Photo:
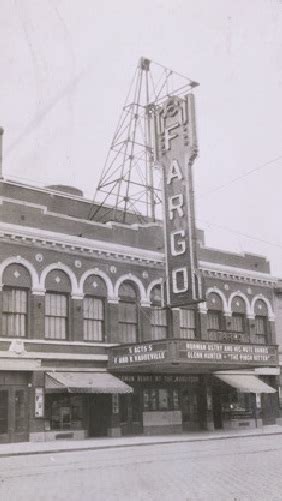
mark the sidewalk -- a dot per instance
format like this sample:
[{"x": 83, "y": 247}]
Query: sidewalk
[{"x": 30, "y": 448}]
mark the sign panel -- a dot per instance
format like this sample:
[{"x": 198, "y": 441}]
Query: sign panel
[
  {"x": 138, "y": 354},
  {"x": 39, "y": 403},
  {"x": 176, "y": 151},
  {"x": 161, "y": 354},
  {"x": 206, "y": 352}
]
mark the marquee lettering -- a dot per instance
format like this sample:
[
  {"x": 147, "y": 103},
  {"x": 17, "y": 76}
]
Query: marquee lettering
[
  {"x": 175, "y": 203},
  {"x": 168, "y": 136},
  {"x": 174, "y": 172},
  {"x": 180, "y": 280},
  {"x": 177, "y": 247}
]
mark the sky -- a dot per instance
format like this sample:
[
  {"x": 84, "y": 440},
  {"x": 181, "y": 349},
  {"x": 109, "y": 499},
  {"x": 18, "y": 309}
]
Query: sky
[{"x": 66, "y": 66}]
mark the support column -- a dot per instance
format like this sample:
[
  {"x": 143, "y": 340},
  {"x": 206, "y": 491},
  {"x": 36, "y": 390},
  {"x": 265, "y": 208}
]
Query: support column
[
  {"x": 76, "y": 331},
  {"x": 209, "y": 400},
  {"x": 37, "y": 316},
  {"x": 112, "y": 323},
  {"x": 145, "y": 324},
  {"x": 175, "y": 324},
  {"x": 203, "y": 326}
]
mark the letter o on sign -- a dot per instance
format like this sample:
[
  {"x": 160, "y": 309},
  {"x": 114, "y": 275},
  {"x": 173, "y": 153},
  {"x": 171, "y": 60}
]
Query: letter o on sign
[{"x": 180, "y": 281}]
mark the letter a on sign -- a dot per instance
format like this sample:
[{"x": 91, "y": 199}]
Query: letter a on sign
[{"x": 174, "y": 172}]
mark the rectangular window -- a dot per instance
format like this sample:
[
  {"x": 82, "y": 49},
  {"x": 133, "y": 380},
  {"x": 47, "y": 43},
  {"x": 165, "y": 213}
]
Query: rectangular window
[
  {"x": 261, "y": 330},
  {"x": 158, "y": 323},
  {"x": 163, "y": 399},
  {"x": 214, "y": 320},
  {"x": 146, "y": 400},
  {"x": 237, "y": 322},
  {"x": 127, "y": 316},
  {"x": 93, "y": 319},
  {"x": 150, "y": 402},
  {"x": 56, "y": 316},
  {"x": 187, "y": 324},
  {"x": 64, "y": 412},
  {"x": 175, "y": 399},
  {"x": 14, "y": 312}
]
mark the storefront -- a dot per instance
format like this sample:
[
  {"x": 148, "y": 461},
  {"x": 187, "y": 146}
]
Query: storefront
[
  {"x": 184, "y": 386},
  {"x": 82, "y": 404}
]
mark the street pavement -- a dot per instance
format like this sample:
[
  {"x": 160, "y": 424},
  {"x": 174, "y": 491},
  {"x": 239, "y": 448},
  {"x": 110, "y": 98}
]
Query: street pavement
[{"x": 235, "y": 469}]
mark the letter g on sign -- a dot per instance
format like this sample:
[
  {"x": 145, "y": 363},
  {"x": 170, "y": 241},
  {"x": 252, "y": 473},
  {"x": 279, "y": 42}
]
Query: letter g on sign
[{"x": 177, "y": 247}]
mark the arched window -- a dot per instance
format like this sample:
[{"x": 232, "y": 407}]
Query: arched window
[
  {"x": 238, "y": 319},
  {"x": 215, "y": 312},
  {"x": 261, "y": 322},
  {"x": 16, "y": 289},
  {"x": 158, "y": 319},
  {"x": 94, "y": 309},
  {"x": 127, "y": 313},
  {"x": 58, "y": 289}
]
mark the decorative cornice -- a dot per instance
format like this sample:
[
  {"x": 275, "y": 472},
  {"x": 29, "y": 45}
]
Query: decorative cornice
[
  {"x": 222, "y": 272},
  {"x": 110, "y": 250},
  {"x": 81, "y": 244}
]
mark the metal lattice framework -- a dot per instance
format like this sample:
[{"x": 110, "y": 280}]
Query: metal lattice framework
[{"x": 130, "y": 184}]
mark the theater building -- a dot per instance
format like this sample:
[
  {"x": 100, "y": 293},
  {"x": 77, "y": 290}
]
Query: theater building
[
  {"x": 86, "y": 348},
  {"x": 110, "y": 328}
]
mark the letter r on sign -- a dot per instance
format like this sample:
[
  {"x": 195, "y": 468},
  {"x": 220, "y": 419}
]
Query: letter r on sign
[{"x": 175, "y": 202}]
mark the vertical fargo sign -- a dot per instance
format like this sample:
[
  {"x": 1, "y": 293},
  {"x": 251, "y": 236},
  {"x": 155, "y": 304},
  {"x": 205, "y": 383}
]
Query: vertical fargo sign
[{"x": 176, "y": 150}]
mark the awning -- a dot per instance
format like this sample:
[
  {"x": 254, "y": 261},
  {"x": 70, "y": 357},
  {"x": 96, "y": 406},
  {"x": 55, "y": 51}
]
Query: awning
[
  {"x": 244, "y": 381},
  {"x": 85, "y": 382}
]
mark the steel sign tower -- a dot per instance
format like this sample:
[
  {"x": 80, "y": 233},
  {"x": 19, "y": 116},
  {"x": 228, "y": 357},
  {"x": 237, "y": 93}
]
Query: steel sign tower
[{"x": 130, "y": 182}]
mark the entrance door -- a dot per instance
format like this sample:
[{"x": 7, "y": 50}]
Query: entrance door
[
  {"x": 190, "y": 412},
  {"x": 217, "y": 414},
  {"x": 4, "y": 415},
  {"x": 13, "y": 414},
  {"x": 267, "y": 408},
  {"x": 100, "y": 411}
]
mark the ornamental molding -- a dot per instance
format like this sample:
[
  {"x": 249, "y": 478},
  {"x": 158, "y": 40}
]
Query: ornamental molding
[
  {"x": 24, "y": 262},
  {"x": 271, "y": 315},
  {"x": 227, "y": 303},
  {"x": 137, "y": 281},
  {"x": 101, "y": 274},
  {"x": 242, "y": 296}
]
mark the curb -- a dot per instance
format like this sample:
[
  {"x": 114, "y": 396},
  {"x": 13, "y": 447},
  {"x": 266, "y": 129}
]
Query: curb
[{"x": 127, "y": 446}]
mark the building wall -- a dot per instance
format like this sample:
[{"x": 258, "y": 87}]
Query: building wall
[{"x": 47, "y": 243}]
